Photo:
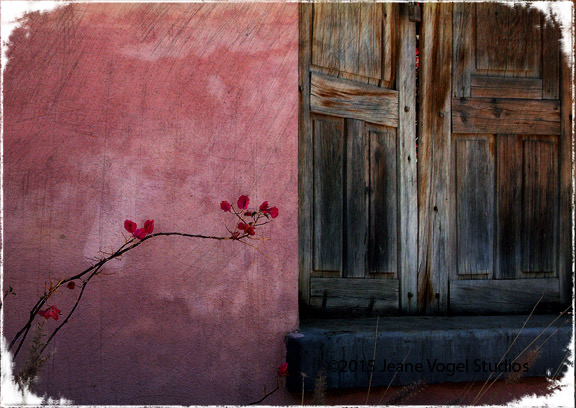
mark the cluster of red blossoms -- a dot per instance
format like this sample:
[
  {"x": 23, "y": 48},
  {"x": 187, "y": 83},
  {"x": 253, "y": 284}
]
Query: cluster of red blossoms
[
  {"x": 51, "y": 312},
  {"x": 139, "y": 233},
  {"x": 248, "y": 225}
]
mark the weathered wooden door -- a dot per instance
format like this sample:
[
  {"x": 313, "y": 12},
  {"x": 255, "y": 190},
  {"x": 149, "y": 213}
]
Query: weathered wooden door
[
  {"x": 494, "y": 161},
  {"x": 484, "y": 227},
  {"x": 358, "y": 208}
]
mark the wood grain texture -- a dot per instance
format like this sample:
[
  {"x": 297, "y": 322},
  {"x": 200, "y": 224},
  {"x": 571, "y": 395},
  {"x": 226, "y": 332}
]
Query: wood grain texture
[
  {"x": 345, "y": 98},
  {"x": 383, "y": 236},
  {"x": 355, "y": 296},
  {"x": 475, "y": 205},
  {"x": 539, "y": 205},
  {"x": 329, "y": 149},
  {"x": 506, "y": 87},
  {"x": 305, "y": 156},
  {"x": 357, "y": 179},
  {"x": 463, "y": 48},
  {"x": 435, "y": 252},
  {"x": 407, "y": 167},
  {"x": 550, "y": 60},
  {"x": 524, "y": 45},
  {"x": 484, "y": 115},
  {"x": 502, "y": 296},
  {"x": 390, "y": 11},
  {"x": 348, "y": 38},
  {"x": 508, "y": 206},
  {"x": 508, "y": 39},
  {"x": 491, "y": 26}
]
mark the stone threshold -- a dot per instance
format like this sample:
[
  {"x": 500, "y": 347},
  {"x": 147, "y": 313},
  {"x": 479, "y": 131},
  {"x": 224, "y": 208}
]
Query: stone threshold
[{"x": 428, "y": 349}]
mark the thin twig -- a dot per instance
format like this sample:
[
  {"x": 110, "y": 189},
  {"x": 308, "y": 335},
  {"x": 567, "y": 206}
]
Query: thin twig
[{"x": 127, "y": 246}]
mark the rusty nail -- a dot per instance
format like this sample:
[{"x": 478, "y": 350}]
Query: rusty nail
[
  {"x": 410, "y": 294},
  {"x": 406, "y": 108}
]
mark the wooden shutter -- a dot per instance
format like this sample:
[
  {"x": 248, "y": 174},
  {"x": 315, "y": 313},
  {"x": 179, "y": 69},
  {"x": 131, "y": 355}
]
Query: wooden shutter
[
  {"x": 494, "y": 161},
  {"x": 357, "y": 181}
]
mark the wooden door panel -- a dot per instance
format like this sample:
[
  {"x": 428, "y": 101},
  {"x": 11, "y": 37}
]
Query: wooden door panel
[
  {"x": 494, "y": 221},
  {"x": 475, "y": 228},
  {"x": 505, "y": 296},
  {"x": 539, "y": 205},
  {"x": 328, "y": 139},
  {"x": 352, "y": 136},
  {"x": 383, "y": 236}
]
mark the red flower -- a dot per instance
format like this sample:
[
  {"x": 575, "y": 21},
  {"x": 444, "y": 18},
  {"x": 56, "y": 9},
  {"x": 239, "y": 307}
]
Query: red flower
[
  {"x": 250, "y": 230},
  {"x": 140, "y": 233},
  {"x": 273, "y": 212},
  {"x": 243, "y": 202},
  {"x": 264, "y": 206},
  {"x": 283, "y": 370},
  {"x": 149, "y": 226},
  {"x": 130, "y": 226},
  {"x": 225, "y": 206},
  {"x": 50, "y": 312},
  {"x": 242, "y": 226},
  {"x": 71, "y": 285}
]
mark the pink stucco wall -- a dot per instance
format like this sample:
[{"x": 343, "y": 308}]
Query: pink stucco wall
[{"x": 116, "y": 111}]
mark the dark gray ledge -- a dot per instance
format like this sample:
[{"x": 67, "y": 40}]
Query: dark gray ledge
[{"x": 435, "y": 349}]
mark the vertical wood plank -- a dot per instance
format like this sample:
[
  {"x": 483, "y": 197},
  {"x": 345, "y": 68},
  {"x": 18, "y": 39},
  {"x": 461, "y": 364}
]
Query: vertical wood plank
[
  {"x": 356, "y": 220},
  {"x": 475, "y": 205},
  {"x": 383, "y": 201},
  {"x": 566, "y": 179},
  {"x": 390, "y": 17},
  {"x": 305, "y": 155},
  {"x": 524, "y": 41},
  {"x": 539, "y": 203},
  {"x": 508, "y": 210},
  {"x": 369, "y": 60},
  {"x": 328, "y": 134},
  {"x": 463, "y": 48},
  {"x": 492, "y": 36},
  {"x": 407, "y": 169},
  {"x": 550, "y": 60},
  {"x": 435, "y": 259}
]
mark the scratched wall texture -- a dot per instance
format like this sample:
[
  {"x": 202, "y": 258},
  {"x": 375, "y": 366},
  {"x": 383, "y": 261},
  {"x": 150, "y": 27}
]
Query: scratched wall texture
[{"x": 116, "y": 111}]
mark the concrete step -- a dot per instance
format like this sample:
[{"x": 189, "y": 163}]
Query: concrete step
[{"x": 425, "y": 349}]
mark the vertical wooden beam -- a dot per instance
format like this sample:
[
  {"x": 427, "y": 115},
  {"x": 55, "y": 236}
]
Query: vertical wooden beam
[
  {"x": 305, "y": 156},
  {"x": 407, "y": 170},
  {"x": 463, "y": 48},
  {"x": 566, "y": 178},
  {"x": 436, "y": 247}
]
